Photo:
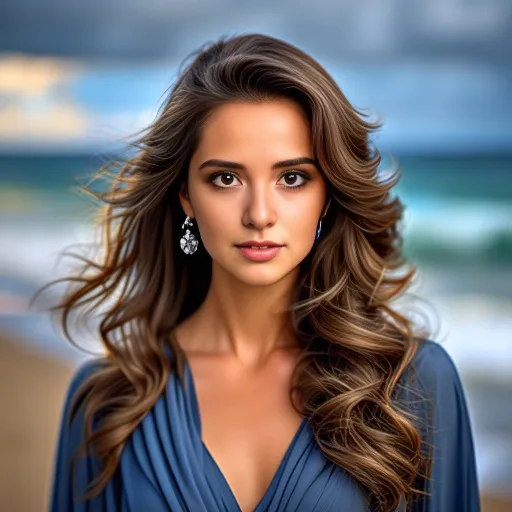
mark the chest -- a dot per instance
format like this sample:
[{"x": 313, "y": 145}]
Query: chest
[{"x": 248, "y": 424}]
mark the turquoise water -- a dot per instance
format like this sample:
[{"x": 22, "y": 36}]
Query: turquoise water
[
  {"x": 479, "y": 177},
  {"x": 458, "y": 209},
  {"x": 471, "y": 177}
]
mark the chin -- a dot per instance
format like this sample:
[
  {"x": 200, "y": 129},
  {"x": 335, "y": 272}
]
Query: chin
[{"x": 264, "y": 274}]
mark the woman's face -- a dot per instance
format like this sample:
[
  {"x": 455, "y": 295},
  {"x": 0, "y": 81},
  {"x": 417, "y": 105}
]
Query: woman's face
[{"x": 240, "y": 190}]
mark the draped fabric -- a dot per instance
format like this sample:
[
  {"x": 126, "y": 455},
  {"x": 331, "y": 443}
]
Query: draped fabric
[{"x": 166, "y": 467}]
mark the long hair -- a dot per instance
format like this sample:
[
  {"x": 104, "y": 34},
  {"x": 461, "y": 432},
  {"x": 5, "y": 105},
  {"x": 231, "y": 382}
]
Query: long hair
[{"x": 356, "y": 346}]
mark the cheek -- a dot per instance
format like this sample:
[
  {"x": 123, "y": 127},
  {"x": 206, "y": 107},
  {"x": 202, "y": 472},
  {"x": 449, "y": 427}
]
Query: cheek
[
  {"x": 215, "y": 222},
  {"x": 302, "y": 232},
  {"x": 304, "y": 220}
]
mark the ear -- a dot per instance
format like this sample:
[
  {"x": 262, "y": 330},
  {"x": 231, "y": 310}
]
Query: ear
[{"x": 185, "y": 200}]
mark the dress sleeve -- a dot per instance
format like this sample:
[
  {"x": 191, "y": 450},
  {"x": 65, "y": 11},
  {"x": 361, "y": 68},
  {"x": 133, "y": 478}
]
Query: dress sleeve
[
  {"x": 453, "y": 485},
  {"x": 69, "y": 439}
]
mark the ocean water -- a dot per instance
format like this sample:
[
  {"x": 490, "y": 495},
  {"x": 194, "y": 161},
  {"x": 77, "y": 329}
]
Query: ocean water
[
  {"x": 458, "y": 209},
  {"x": 457, "y": 229}
]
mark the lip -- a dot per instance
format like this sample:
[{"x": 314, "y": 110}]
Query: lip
[
  {"x": 259, "y": 254},
  {"x": 259, "y": 244}
]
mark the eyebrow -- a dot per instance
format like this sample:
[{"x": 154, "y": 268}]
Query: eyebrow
[{"x": 278, "y": 165}]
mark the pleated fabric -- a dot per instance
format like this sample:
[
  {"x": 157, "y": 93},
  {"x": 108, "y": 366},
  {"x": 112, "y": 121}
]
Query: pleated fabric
[{"x": 165, "y": 466}]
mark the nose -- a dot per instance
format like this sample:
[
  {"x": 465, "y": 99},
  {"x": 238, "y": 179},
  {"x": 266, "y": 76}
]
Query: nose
[{"x": 259, "y": 210}]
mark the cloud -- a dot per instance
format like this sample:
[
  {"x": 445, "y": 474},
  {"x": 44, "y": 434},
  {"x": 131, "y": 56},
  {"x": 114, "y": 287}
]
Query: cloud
[
  {"x": 354, "y": 31},
  {"x": 21, "y": 75},
  {"x": 57, "y": 122},
  {"x": 459, "y": 20},
  {"x": 34, "y": 103},
  {"x": 52, "y": 104}
]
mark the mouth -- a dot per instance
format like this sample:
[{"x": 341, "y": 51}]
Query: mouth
[
  {"x": 259, "y": 252},
  {"x": 253, "y": 244},
  {"x": 259, "y": 246}
]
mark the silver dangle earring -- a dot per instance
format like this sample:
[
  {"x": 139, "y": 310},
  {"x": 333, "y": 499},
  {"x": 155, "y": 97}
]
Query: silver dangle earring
[
  {"x": 188, "y": 242},
  {"x": 318, "y": 230}
]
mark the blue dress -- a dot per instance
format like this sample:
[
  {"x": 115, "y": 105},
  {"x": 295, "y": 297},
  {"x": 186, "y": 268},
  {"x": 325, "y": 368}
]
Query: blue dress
[{"x": 166, "y": 467}]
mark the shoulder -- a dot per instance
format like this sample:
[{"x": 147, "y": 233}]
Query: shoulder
[
  {"x": 86, "y": 369},
  {"x": 435, "y": 395},
  {"x": 430, "y": 367},
  {"x": 431, "y": 389},
  {"x": 431, "y": 380},
  {"x": 82, "y": 373},
  {"x": 79, "y": 378},
  {"x": 71, "y": 437},
  {"x": 433, "y": 365}
]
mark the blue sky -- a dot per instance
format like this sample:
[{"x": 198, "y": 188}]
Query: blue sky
[
  {"x": 424, "y": 107},
  {"x": 438, "y": 73}
]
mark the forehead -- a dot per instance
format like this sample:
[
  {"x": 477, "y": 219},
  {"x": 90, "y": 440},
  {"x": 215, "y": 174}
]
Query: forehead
[{"x": 249, "y": 128}]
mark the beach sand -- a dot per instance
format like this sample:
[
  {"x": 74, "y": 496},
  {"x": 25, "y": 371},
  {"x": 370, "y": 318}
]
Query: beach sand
[{"x": 32, "y": 390}]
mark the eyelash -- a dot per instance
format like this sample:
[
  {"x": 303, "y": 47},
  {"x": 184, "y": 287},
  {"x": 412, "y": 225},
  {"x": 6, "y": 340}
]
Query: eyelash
[{"x": 298, "y": 173}]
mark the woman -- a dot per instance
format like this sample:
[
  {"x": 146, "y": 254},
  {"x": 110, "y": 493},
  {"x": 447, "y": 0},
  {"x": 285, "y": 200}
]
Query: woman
[{"x": 253, "y": 358}]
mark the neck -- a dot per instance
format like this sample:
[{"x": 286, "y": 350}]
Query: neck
[{"x": 244, "y": 321}]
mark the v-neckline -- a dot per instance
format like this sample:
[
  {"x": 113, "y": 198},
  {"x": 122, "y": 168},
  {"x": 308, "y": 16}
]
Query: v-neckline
[{"x": 280, "y": 467}]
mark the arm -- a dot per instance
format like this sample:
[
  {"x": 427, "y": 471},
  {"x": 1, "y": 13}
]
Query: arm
[{"x": 453, "y": 485}]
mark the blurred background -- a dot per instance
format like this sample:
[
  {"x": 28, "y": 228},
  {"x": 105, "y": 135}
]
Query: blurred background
[{"x": 77, "y": 77}]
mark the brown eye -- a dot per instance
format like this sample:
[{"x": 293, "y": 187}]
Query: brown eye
[
  {"x": 292, "y": 177},
  {"x": 226, "y": 179},
  {"x": 222, "y": 179}
]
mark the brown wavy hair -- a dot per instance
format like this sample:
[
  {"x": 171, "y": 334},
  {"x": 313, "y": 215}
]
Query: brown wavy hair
[{"x": 356, "y": 345}]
